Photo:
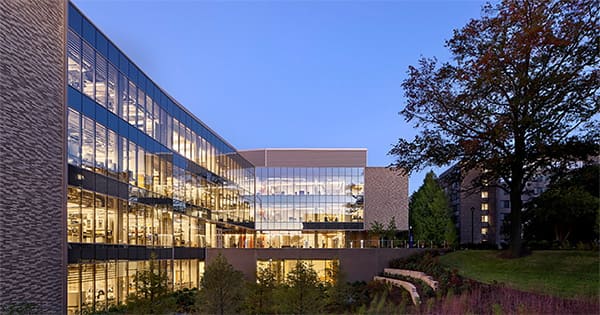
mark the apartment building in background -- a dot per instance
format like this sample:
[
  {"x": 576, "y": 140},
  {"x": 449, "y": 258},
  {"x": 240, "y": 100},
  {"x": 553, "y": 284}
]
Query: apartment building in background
[{"x": 479, "y": 211}]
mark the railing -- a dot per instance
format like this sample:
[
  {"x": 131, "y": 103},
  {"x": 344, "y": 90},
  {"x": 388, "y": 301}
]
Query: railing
[
  {"x": 359, "y": 244},
  {"x": 393, "y": 244}
]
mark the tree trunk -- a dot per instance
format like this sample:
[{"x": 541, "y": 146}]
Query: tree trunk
[{"x": 516, "y": 205}]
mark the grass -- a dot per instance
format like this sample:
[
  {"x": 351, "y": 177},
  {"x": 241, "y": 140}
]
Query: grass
[{"x": 567, "y": 274}]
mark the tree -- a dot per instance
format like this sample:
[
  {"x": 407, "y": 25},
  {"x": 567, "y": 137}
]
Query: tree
[
  {"x": 429, "y": 213},
  {"x": 151, "y": 289},
  {"x": 339, "y": 292},
  {"x": 567, "y": 211},
  {"x": 519, "y": 96},
  {"x": 260, "y": 299},
  {"x": 377, "y": 229},
  {"x": 391, "y": 230},
  {"x": 304, "y": 293},
  {"x": 221, "y": 287}
]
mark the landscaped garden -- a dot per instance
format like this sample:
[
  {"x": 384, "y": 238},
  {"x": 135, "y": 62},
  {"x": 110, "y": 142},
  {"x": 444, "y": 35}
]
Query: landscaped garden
[
  {"x": 562, "y": 273},
  {"x": 482, "y": 282},
  {"x": 467, "y": 281}
]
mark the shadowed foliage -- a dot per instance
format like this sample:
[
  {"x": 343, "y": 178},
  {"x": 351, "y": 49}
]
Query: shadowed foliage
[{"x": 519, "y": 96}]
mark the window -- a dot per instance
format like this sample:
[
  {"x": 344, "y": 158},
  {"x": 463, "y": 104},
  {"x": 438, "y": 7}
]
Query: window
[
  {"x": 485, "y": 218},
  {"x": 150, "y": 116},
  {"x": 112, "y": 102},
  {"x": 123, "y": 97},
  {"x": 87, "y": 148},
  {"x": 141, "y": 101},
  {"x": 101, "y": 69},
  {"x": 88, "y": 70},
  {"x": 74, "y": 215},
  {"x": 74, "y": 138},
  {"x": 87, "y": 216},
  {"x": 141, "y": 224},
  {"x": 484, "y": 194},
  {"x": 156, "y": 122},
  {"x": 111, "y": 220},
  {"x": 484, "y": 231},
  {"x": 112, "y": 157},
  {"x": 131, "y": 163},
  {"x": 132, "y": 224},
  {"x": 101, "y": 148},
  {"x": 484, "y": 206},
  {"x": 122, "y": 224},
  {"x": 74, "y": 61},
  {"x": 123, "y": 156},
  {"x": 141, "y": 168},
  {"x": 505, "y": 204},
  {"x": 131, "y": 103}
]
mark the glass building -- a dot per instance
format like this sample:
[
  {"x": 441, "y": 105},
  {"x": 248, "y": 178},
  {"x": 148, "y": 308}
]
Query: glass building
[
  {"x": 143, "y": 174},
  {"x": 102, "y": 170},
  {"x": 308, "y": 198}
]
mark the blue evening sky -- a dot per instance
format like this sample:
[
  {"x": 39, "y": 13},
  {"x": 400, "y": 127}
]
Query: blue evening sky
[{"x": 268, "y": 74}]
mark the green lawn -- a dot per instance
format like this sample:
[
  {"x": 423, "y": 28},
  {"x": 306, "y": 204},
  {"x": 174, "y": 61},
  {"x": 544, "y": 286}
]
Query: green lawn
[{"x": 560, "y": 273}]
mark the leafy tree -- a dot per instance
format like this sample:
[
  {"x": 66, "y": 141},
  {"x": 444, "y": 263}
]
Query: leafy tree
[
  {"x": 185, "y": 300},
  {"x": 519, "y": 95},
  {"x": 260, "y": 297},
  {"x": 377, "y": 229},
  {"x": 429, "y": 213},
  {"x": 391, "y": 229},
  {"x": 303, "y": 293},
  {"x": 151, "y": 289},
  {"x": 339, "y": 292},
  {"x": 568, "y": 210},
  {"x": 221, "y": 288},
  {"x": 151, "y": 284}
]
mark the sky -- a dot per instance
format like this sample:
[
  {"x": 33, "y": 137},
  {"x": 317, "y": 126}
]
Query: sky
[{"x": 287, "y": 74}]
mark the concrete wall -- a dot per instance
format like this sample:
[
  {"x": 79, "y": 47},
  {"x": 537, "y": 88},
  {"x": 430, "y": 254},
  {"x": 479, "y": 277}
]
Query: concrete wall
[
  {"x": 360, "y": 264},
  {"x": 33, "y": 253},
  {"x": 386, "y": 196}
]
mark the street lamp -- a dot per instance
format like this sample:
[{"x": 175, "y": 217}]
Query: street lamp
[{"x": 472, "y": 225}]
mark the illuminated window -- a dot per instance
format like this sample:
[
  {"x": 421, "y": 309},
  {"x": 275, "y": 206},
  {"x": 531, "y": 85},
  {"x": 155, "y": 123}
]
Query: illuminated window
[
  {"x": 74, "y": 138},
  {"x": 74, "y": 61},
  {"x": 484, "y": 206},
  {"x": 484, "y": 231},
  {"x": 281, "y": 268},
  {"x": 484, "y": 194},
  {"x": 88, "y": 70},
  {"x": 485, "y": 218}
]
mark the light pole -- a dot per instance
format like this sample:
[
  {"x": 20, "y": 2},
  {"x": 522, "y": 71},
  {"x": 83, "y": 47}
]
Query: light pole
[{"x": 472, "y": 225}]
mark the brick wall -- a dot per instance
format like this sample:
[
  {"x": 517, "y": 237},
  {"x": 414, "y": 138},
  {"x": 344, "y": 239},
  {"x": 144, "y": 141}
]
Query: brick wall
[
  {"x": 32, "y": 155},
  {"x": 386, "y": 195}
]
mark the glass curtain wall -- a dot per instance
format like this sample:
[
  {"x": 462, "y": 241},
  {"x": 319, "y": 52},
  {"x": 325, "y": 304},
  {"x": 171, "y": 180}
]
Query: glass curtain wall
[
  {"x": 282, "y": 267},
  {"x": 287, "y": 197},
  {"x": 176, "y": 156},
  {"x": 98, "y": 285},
  {"x": 142, "y": 171}
]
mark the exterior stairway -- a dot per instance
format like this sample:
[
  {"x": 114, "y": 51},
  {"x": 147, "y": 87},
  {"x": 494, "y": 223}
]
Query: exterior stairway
[{"x": 389, "y": 273}]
